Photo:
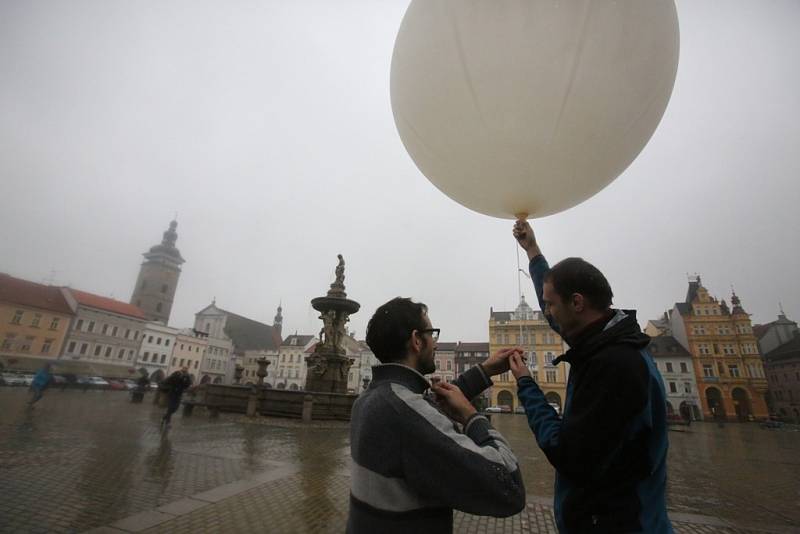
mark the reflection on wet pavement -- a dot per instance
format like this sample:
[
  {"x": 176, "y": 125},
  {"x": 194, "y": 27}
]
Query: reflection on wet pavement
[
  {"x": 80, "y": 460},
  {"x": 740, "y": 472}
]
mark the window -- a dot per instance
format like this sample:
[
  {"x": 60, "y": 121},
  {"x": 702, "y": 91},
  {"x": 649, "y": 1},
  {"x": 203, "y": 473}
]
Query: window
[
  {"x": 702, "y": 348},
  {"x": 71, "y": 347},
  {"x": 164, "y": 288},
  {"x": 8, "y": 342},
  {"x": 449, "y": 365},
  {"x": 684, "y": 369},
  {"x": 46, "y": 346},
  {"x": 79, "y": 325},
  {"x": 36, "y": 318},
  {"x": 158, "y": 341},
  {"x": 548, "y": 358},
  {"x": 150, "y": 339},
  {"x": 173, "y": 363},
  {"x": 114, "y": 331},
  {"x": 84, "y": 348},
  {"x": 669, "y": 368},
  {"x": 166, "y": 342},
  {"x": 17, "y": 319},
  {"x": 145, "y": 356},
  {"x": 687, "y": 387},
  {"x": 90, "y": 328},
  {"x": 105, "y": 329},
  {"x": 163, "y": 358},
  {"x": 734, "y": 370},
  {"x": 535, "y": 376},
  {"x": 136, "y": 335},
  {"x": 108, "y": 352},
  {"x": 673, "y": 388},
  {"x": 551, "y": 375},
  {"x": 26, "y": 345},
  {"x": 54, "y": 324},
  {"x": 130, "y": 354},
  {"x": 195, "y": 364},
  {"x": 121, "y": 353},
  {"x": 182, "y": 346},
  {"x": 438, "y": 365},
  {"x": 721, "y": 369},
  {"x": 708, "y": 370},
  {"x": 97, "y": 350}
]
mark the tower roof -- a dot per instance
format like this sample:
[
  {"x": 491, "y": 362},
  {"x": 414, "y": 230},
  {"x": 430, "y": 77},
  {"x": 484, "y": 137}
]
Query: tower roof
[{"x": 167, "y": 247}]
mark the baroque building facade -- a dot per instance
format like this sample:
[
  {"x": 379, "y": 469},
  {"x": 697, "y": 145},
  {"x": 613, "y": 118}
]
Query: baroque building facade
[
  {"x": 727, "y": 363},
  {"x": 528, "y": 328}
]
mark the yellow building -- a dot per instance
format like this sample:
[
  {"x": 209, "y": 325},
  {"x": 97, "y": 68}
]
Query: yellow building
[
  {"x": 34, "y": 320},
  {"x": 727, "y": 362},
  {"x": 529, "y": 329}
]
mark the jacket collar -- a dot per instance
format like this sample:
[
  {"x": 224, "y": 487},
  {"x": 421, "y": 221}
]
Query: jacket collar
[
  {"x": 620, "y": 327},
  {"x": 399, "y": 374}
]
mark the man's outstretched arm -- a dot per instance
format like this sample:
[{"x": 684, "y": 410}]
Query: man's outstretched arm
[{"x": 537, "y": 264}]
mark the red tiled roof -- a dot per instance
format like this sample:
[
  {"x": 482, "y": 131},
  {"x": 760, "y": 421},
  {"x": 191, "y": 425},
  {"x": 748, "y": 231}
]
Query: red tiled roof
[
  {"x": 107, "y": 304},
  {"x": 26, "y": 293}
]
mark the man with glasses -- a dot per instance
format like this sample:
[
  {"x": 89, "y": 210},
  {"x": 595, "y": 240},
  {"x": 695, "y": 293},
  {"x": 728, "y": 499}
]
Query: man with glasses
[{"x": 411, "y": 464}]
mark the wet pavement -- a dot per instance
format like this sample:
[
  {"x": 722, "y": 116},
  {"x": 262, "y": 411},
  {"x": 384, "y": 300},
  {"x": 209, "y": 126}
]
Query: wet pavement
[{"x": 83, "y": 460}]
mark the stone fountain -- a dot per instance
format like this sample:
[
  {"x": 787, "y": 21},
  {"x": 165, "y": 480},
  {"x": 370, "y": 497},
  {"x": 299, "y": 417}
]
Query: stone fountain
[{"x": 329, "y": 365}]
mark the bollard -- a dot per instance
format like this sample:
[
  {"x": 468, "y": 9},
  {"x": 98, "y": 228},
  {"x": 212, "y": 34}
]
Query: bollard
[
  {"x": 308, "y": 405},
  {"x": 252, "y": 403}
]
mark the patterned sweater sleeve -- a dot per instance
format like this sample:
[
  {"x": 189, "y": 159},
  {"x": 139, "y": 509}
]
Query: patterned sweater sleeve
[{"x": 475, "y": 471}]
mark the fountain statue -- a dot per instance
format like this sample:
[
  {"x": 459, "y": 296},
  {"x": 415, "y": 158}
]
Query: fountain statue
[{"x": 329, "y": 365}]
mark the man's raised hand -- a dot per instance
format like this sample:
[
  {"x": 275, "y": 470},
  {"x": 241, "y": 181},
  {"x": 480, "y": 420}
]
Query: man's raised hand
[{"x": 498, "y": 362}]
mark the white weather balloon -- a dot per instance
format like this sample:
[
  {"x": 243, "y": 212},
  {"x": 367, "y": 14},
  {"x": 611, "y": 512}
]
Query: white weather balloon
[{"x": 530, "y": 106}]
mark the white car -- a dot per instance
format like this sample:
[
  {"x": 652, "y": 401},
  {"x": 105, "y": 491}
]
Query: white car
[
  {"x": 493, "y": 409},
  {"x": 11, "y": 379},
  {"x": 96, "y": 381},
  {"x": 28, "y": 379}
]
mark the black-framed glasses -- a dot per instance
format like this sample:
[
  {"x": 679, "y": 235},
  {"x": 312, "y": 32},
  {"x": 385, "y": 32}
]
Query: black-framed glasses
[{"x": 434, "y": 332}]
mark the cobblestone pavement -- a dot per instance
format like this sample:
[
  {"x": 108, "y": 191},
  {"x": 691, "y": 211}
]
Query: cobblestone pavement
[{"x": 84, "y": 460}]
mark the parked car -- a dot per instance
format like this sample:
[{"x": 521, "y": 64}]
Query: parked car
[
  {"x": 12, "y": 379},
  {"x": 505, "y": 409},
  {"x": 129, "y": 384},
  {"x": 520, "y": 409},
  {"x": 59, "y": 380},
  {"x": 28, "y": 378},
  {"x": 97, "y": 382},
  {"x": 493, "y": 409}
]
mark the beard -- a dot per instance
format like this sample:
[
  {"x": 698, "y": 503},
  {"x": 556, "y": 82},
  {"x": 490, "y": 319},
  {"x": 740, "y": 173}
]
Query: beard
[{"x": 426, "y": 367}]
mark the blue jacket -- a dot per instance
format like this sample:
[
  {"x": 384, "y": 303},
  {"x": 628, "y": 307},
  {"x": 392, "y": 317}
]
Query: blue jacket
[
  {"x": 609, "y": 448},
  {"x": 41, "y": 379}
]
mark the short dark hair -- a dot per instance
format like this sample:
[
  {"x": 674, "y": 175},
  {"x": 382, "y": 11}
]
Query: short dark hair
[
  {"x": 390, "y": 327},
  {"x": 576, "y": 275}
]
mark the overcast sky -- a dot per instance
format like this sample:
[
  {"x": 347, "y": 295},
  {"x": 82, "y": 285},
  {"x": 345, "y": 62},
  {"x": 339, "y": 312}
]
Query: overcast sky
[{"x": 267, "y": 127}]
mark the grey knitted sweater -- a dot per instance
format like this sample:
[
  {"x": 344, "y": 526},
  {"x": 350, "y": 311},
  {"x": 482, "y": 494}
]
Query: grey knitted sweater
[{"x": 411, "y": 466}]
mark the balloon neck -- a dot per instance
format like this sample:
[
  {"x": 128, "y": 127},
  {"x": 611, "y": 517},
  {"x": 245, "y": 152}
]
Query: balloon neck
[{"x": 522, "y": 216}]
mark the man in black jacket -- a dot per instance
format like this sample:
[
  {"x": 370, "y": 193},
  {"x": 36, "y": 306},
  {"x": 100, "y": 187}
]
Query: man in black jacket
[
  {"x": 610, "y": 447},
  {"x": 175, "y": 384}
]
